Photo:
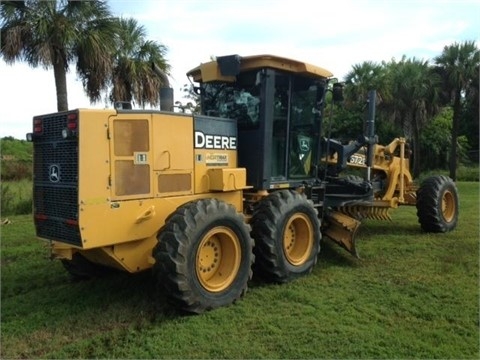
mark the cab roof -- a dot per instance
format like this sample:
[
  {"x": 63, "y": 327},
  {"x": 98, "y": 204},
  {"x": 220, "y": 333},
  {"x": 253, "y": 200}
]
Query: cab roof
[{"x": 225, "y": 68}]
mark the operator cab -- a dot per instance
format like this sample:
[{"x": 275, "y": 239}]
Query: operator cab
[{"x": 278, "y": 104}]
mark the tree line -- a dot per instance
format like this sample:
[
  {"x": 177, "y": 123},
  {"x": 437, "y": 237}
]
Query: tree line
[
  {"x": 111, "y": 55},
  {"x": 434, "y": 105}
]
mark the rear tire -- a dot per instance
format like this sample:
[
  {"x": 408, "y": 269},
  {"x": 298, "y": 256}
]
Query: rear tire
[
  {"x": 204, "y": 256},
  {"x": 437, "y": 204},
  {"x": 287, "y": 236},
  {"x": 80, "y": 268}
]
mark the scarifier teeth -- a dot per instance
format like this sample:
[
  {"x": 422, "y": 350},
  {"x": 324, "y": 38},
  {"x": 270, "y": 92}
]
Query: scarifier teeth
[{"x": 367, "y": 212}]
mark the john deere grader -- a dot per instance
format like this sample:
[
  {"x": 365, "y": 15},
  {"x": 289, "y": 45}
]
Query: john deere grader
[{"x": 200, "y": 198}]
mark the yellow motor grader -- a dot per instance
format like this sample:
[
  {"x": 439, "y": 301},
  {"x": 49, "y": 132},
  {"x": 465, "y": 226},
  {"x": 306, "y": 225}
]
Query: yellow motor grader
[{"x": 198, "y": 198}]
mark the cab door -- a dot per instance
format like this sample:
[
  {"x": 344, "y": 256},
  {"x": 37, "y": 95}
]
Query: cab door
[{"x": 296, "y": 127}]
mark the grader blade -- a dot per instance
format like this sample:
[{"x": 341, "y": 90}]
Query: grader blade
[{"x": 342, "y": 229}]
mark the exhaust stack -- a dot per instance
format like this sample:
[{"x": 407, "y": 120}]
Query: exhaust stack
[{"x": 166, "y": 92}]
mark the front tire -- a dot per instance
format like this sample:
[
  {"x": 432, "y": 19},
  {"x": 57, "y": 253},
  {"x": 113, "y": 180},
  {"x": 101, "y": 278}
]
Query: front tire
[
  {"x": 437, "y": 204},
  {"x": 204, "y": 256},
  {"x": 286, "y": 230}
]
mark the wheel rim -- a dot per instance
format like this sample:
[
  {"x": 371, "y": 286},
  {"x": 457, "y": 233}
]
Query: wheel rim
[
  {"x": 448, "y": 206},
  {"x": 218, "y": 259},
  {"x": 298, "y": 239}
]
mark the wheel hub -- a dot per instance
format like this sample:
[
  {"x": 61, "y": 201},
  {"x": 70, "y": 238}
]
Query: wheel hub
[
  {"x": 218, "y": 259},
  {"x": 448, "y": 206},
  {"x": 209, "y": 256},
  {"x": 298, "y": 239}
]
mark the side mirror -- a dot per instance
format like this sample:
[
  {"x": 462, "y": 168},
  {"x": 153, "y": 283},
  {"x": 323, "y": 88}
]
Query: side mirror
[{"x": 337, "y": 92}]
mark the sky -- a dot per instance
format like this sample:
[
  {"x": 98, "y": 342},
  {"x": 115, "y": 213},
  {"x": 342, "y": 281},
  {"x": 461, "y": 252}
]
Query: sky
[{"x": 335, "y": 35}]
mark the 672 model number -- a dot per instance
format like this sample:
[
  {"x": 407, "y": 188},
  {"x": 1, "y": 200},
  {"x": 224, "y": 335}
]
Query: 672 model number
[{"x": 357, "y": 160}]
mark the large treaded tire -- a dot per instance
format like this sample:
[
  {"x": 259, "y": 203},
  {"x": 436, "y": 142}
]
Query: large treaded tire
[
  {"x": 437, "y": 204},
  {"x": 80, "y": 268},
  {"x": 204, "y": 256},
  {"x": 286, "y": 230}
]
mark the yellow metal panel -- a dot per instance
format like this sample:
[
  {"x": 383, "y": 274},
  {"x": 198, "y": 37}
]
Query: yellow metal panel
[
  {"x": 124, "y": 221},
  {"x": 93, "y": 157},
  {"x": 210, "y": 71},
  {"x": 136, "y": 256},
  {"x": 123, "y": 234},
  {"x": 282, "y": 63},
  {"x": 227, "y": 179},
  {"x": 206, "y": 159},
  {"x": 172, "y": 142}
]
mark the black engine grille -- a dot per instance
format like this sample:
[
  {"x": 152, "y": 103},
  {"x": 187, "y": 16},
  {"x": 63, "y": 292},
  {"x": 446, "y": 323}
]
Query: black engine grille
[{"x": 55, "y": 189}]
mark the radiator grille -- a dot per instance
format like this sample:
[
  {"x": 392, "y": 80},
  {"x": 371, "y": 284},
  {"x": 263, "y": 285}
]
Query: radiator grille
[
  {"x": 55, "y": 189},
  {"x": 53, "y": 126},
  {"x": 59, "y": 153}
]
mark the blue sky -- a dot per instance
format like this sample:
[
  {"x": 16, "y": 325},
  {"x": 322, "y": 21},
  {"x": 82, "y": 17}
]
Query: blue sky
[{"x": 335, "y": 35}]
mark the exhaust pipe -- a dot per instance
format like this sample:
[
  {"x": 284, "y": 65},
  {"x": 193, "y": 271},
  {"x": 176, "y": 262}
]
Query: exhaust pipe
[{"x": 166, "y": 92}]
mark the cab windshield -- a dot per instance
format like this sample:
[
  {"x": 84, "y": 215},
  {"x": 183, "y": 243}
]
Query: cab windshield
[{"x": 239, "y": 100}]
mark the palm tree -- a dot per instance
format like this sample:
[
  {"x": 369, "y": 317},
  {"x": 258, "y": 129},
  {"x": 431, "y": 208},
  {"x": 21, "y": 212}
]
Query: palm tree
[
  {"x": 471, "y": 118},
  {"x": 414, "y": 89},
  {"x": 458, "y": 66},
  {"x": 133, "y": 77},
  {"x": 57, "y": 34},
  {"x": 359, "y": 81},
  {"x": 365, "y": 77}
]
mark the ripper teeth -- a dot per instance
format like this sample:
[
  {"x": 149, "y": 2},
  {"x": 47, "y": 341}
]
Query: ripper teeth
[{"x": 367, "y": 212}]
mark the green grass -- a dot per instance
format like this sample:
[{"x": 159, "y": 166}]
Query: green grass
[
  {"x": 411, "y": 295},
  {"x": 16, "y": 197}
]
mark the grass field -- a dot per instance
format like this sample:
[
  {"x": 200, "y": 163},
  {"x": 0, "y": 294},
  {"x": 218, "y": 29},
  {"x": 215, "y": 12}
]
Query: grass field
[
  {"x": 412, "y": 295},
  {"x": 16, "y": 197}
]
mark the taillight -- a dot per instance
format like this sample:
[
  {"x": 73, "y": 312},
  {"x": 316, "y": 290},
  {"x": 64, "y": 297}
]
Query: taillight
[
  {"x": 72, "y": 125},
  {"x": 71, "y": 222},
  {"x": 37, "y": 126},
  {"x": 72, "y": 121},
  {"x": 42, "y": 217}
]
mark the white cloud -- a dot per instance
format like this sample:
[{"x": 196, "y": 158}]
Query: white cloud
[{"x": 334, "y": 35}]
